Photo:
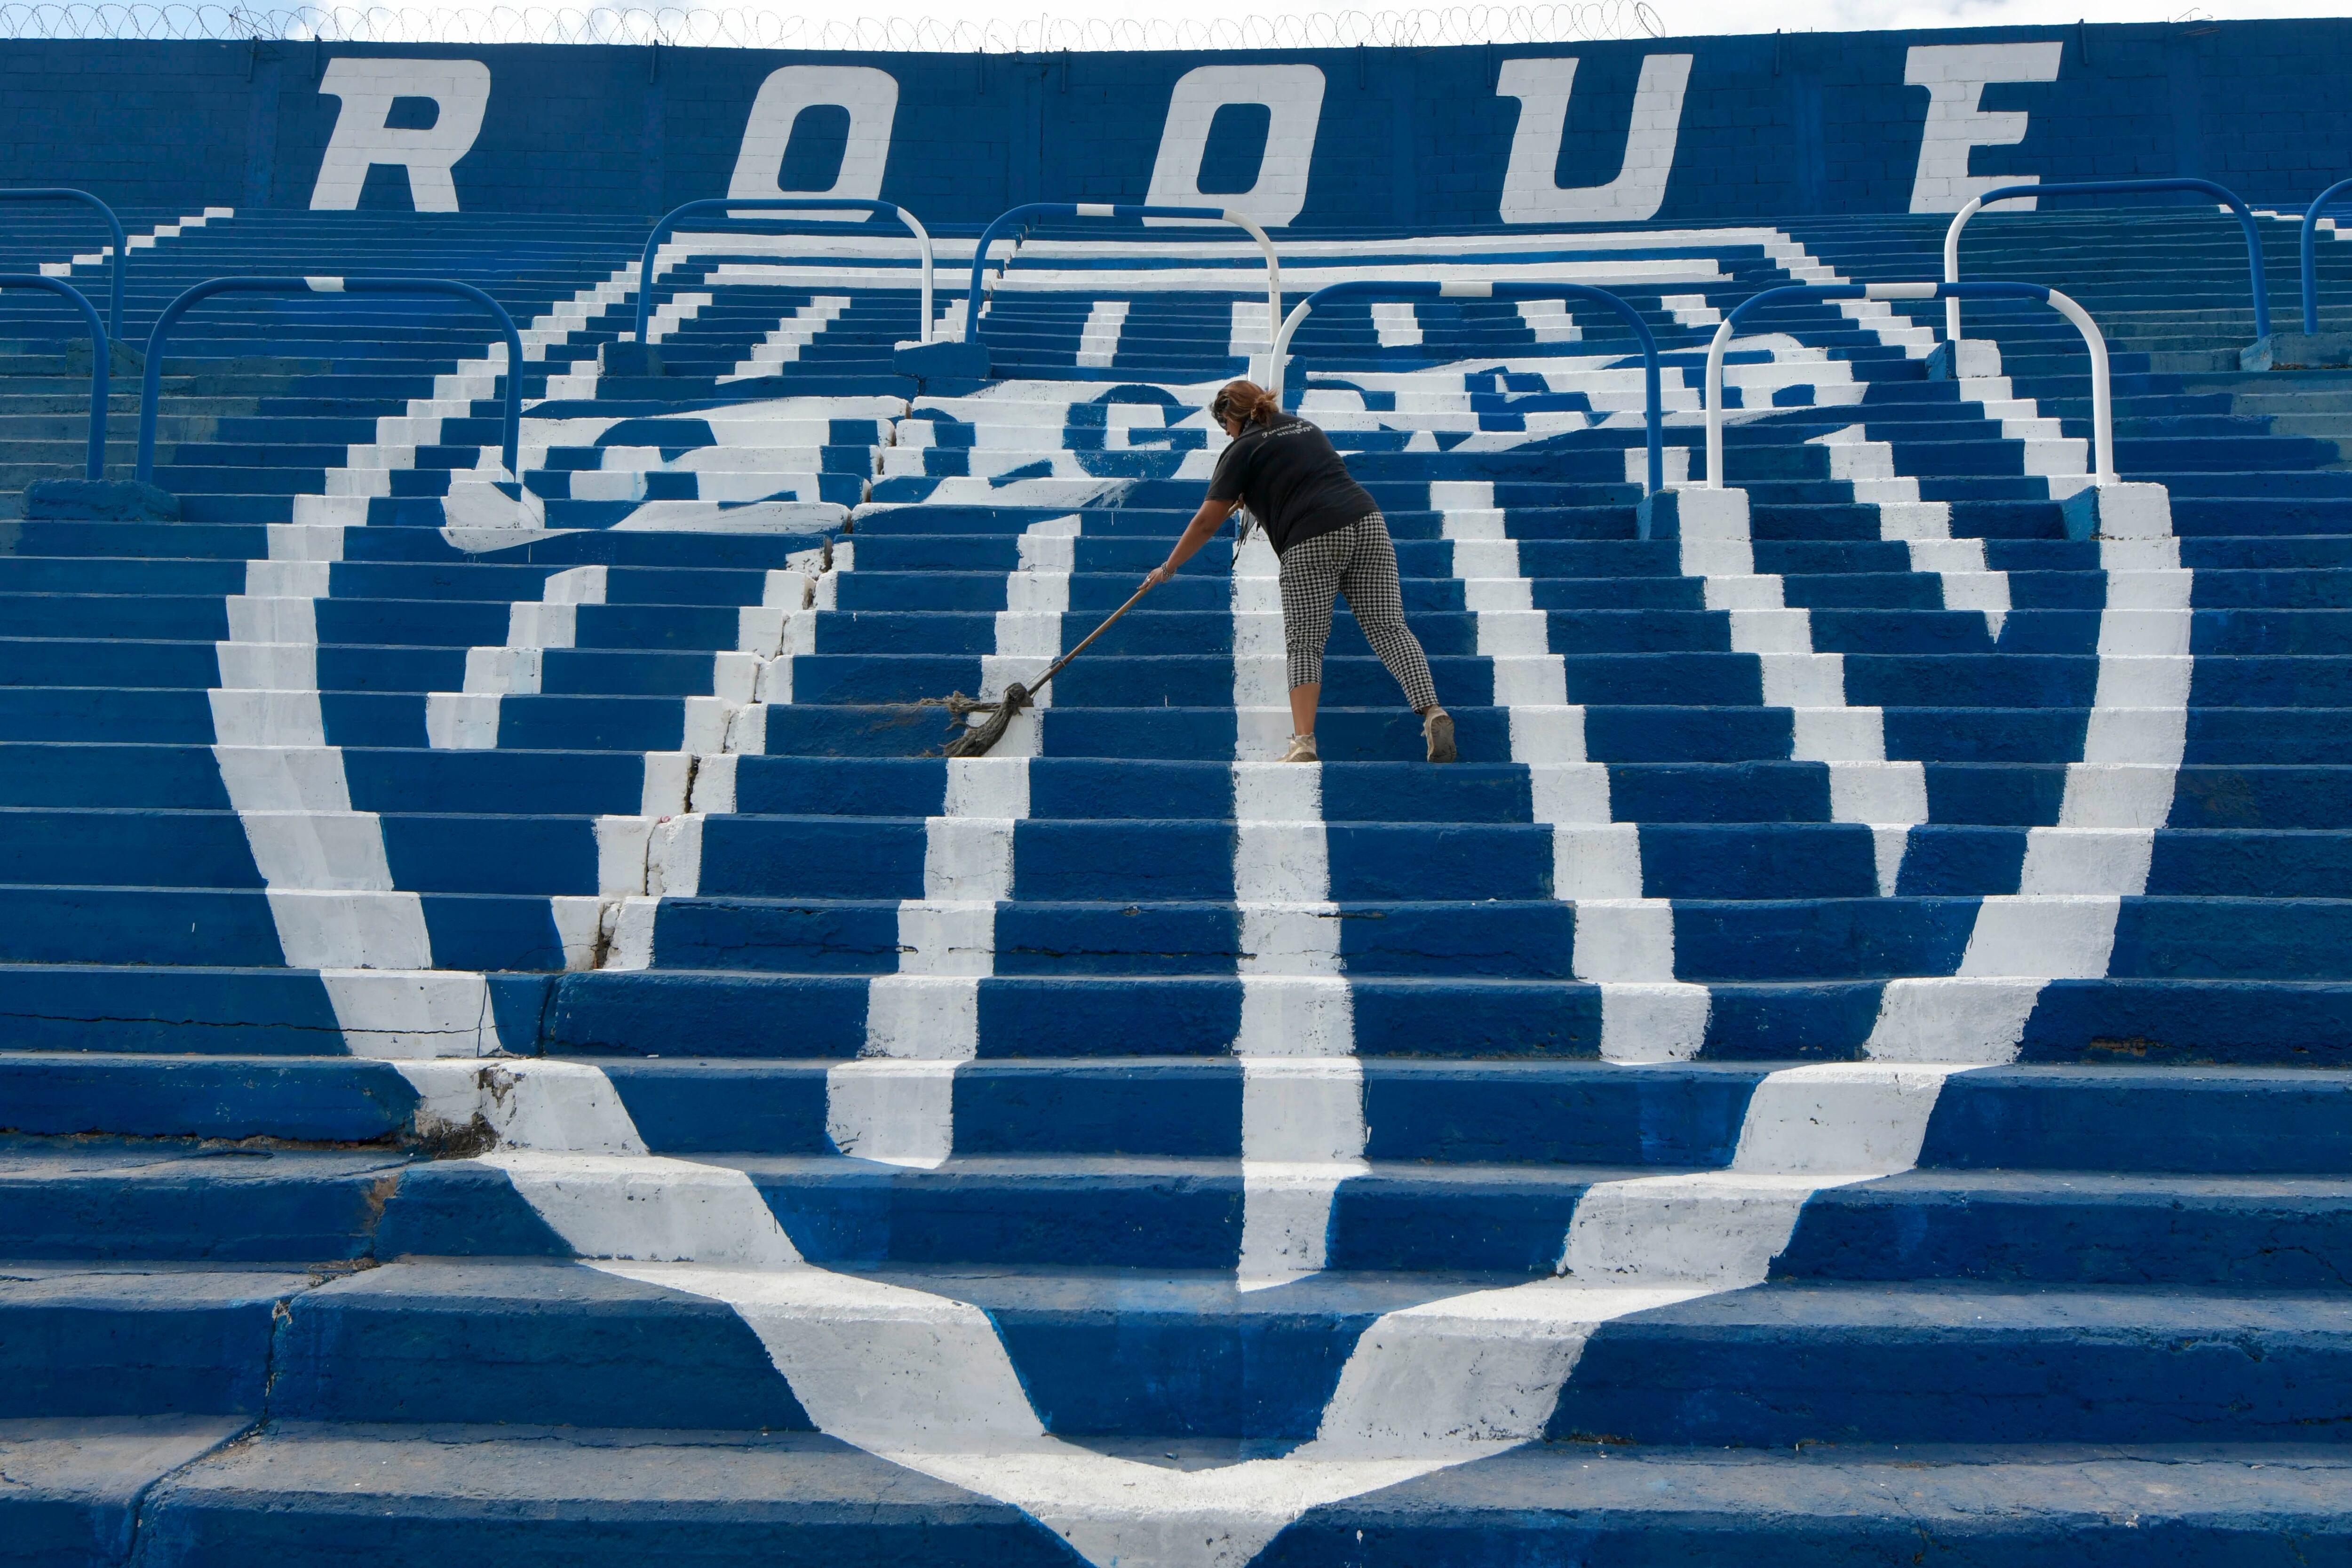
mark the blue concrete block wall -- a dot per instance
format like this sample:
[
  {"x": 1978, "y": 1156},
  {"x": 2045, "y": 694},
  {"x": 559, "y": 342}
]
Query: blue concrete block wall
[{"x": 1771, "y": 126}]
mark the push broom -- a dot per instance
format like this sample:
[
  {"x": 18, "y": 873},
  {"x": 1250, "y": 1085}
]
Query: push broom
[{"x": 977, "y": 739}]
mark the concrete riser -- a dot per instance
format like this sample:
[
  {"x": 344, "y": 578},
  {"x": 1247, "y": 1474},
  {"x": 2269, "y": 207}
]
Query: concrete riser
[{"x": 1848, "y": 1058}]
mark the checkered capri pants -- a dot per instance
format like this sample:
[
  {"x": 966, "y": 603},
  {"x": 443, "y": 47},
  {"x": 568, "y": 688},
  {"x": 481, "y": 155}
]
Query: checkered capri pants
[{"x": 1359, "y": 561}]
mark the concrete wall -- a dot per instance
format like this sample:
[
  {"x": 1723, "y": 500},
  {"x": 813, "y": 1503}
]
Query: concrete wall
[{"x": 1677, "y": 129}]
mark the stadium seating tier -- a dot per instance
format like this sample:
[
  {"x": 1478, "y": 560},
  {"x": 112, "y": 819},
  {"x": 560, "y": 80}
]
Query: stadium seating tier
[{"x": 519, "y": 1046}]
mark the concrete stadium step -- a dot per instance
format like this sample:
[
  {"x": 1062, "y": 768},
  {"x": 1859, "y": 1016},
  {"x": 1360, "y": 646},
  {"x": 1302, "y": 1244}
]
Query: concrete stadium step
[
  {"x": 2216, "y": 1122},
  {"x": 774, "y": 1496},
  {"x": 1519, "y": 933},
  {"x": 2021, "y": 794},
  {"x": 2111, "y": 1365},
  {"x": 2318, "y": 735},
  {"x": 1086, "y": 1344},
  {"x": 296, "y": 1493},
  {"x": 183, "y": 1339},
  {"x": 1696, "y": 678},
  {"x": 1119, "y": 1356},
  {"x": 72, "y": 924},
  {"x": 212, "y": 1009},
  {"x": 699, "y": 886},
  {"x": 105, "y": 1201},
  {"x": 474, "y": 852},
  {"x": 2191, "y": 1020}
]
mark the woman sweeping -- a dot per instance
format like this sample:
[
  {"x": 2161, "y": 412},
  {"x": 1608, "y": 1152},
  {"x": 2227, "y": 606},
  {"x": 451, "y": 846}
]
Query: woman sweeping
[{"x": 1331, "y": 540}]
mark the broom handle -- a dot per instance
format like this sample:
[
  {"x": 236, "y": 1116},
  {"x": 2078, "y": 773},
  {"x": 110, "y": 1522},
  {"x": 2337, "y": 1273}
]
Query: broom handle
[{"x": 1055, "y": 667}]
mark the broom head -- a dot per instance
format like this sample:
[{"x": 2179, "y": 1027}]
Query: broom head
[{"x": 977, "y": 739}]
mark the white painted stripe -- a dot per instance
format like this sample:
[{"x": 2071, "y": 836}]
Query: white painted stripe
[
  {"x": 1925, "y": 528},
  {"x": 329, "y": 879},
  {"x": 1099, "y": 339},
  {"x": 163, "y": 231},
  {"x": 672, "y": 314},
  {"x": 784, "y": 340},
  {"x": 1395, "y": 324},
  {"x": 918, "y": 1379},
  {"x": 925, "y": 1381},
  {"x": 1874, "y": 316},
  {"x": 1624, "y": 941},
  {"x": 1302, "y": 1089},
  {"x": 2061, "y": 923},
  {"x": 1248, "y": 337},
  {"x": 1865, "y": 786},
  {"x": 468, "y": 720},
  {"x": 1550, "y": 321},
  {"x": 1467, "y": 1374},
  {"x": 1261, "y": 675},
  {"x": 1690, "y": 309},
  {"x": 896, "y": 1103}
]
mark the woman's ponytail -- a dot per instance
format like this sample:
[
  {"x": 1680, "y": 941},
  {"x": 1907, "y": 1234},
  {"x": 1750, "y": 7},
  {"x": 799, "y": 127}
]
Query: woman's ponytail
[{"x": 1245, "y": 401}]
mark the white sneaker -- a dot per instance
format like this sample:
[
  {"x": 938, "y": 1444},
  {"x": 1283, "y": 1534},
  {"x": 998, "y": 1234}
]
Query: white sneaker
[
  {"x": 1438, "y": 731},
  {"x": 1302, "y": 750}
]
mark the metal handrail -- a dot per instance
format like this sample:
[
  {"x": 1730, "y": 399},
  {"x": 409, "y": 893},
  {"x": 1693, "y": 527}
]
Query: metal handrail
[
  {"x": 776, "y": 204},
  {"x": 2310, "y": 257},
  {"x": 151, "y": 390},
  {"x": 121, "y": 257},
  {"x": 1505, "y": 289},
  {"x": 2103, "y": 423},
  {"x": 1005, "y": 219},
  {"x": 2229, "y": 198},
  {"x": 98, "y": 356}
]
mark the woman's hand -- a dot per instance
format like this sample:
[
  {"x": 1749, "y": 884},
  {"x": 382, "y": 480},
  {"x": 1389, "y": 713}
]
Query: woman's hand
[{"x": 1204, "y": 522}]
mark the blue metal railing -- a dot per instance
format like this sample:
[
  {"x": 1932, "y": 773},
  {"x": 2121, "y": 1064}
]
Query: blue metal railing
[
  {"x": 2103, "y": 423},
  {"x": 98, "y": 358},
  {"x": 1653, "y": 404},
  {"x": 152, "y": 391},
  {"x": 776, "y": 204},
  {"x": 121, "y": 257},
  {"x": 1035, "y": 210},
  {"x": 2227, "y": 197},
  {"x": 2311, "y": 255}
]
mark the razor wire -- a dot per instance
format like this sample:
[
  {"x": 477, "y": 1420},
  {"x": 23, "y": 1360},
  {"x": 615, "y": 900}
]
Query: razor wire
[{"x": 1593, "y": 21}]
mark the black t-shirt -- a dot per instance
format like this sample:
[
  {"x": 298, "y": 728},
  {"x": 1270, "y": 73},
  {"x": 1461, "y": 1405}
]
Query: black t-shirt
[{"x": 1292, "y": 480}]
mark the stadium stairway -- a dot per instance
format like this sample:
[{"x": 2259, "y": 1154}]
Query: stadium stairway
[{"x": 518, "y": 1046}]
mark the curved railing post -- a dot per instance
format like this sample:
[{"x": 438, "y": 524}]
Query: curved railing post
[
  {"x": 2311, "y": 255},
  {"x": 98, "y": 391},
  {"x": 2229, "y": 198},
  {"x": 670, "y": 223},
  {"x": 2103, "y": 423},
  {"x": 1007, "y": 218},
  {"x": 150, "y": 389},
  {"x": 121, "y": 257},
  {"x": 1652, "y": 400}
]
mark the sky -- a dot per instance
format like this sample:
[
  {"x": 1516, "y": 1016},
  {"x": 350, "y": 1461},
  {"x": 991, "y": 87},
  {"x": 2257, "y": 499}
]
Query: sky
[
  {"x": 1682, "y": 17},
  {"x": 1701, "y": 16},
  {"x": 1208, "y": 24}
]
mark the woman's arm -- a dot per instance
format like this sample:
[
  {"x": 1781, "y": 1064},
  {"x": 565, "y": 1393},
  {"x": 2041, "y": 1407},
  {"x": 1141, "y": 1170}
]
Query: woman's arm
[{"x": 1205, "y": 521}]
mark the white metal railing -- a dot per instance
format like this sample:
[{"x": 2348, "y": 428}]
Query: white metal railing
[{"x": 2103, "y": 423}]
